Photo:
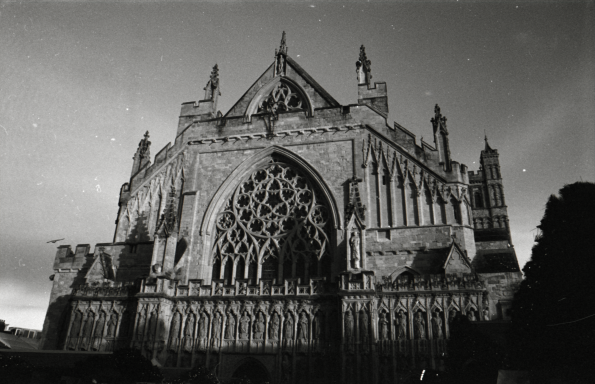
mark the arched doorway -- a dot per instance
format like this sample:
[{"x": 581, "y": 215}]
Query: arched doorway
[{"x": 253, "y": 370}]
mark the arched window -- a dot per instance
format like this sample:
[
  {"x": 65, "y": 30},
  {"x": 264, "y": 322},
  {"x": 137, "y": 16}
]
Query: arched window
[
  {"x": 478, "y": 199},
  {"x": 240, "y": 267},
  {"x": 276, "y": 216},
  {"x": 228, "y": 270},
  {"x": 283, "y": 98}
]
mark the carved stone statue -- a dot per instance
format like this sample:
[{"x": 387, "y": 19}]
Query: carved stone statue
[
  {"x": 471, "y": 315},
  {"x": 217, "y": 326},
  {"x": 87, "y": 331},
  {"x": 451, "y": 316},
  {"x": 140, "y": 326},
  {"x": 318, "y": 334},
  {"x": 156, "y": 268},
  {"x": 189, "y": 332},
  {"x": 112, "y": 324},
  {"x": 202, "y": 326},
  {"x": 152, "y": 325},
  {"x": 420, "y": 326},
  {"x": 486, "y": 314},
  {"x": 363, "y": 322},
  {"x": 354, "y": 244},
  {"x": 230, "y": 330},
  {"x": 303, "y": 327},
  {"x": 74, "y": 330},
  {"x": 288, "y": 328},
  {"x": 98, "y": 333},
  {"x": 245, "y": 326},
  {"x": 174, "y": 333},
  {"x": 349, "y": 326},
  {"x": 259, "y": 327},
  {"x": 383, "y": 327},
  {"x": 402, "y": 325},
  {"x": 437, "y": 326},
  {"x": 274, "y": 327}
]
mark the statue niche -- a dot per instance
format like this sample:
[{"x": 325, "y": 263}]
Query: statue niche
[{"x": 278, "y": 220}]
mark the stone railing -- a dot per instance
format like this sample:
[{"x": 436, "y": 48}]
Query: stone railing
[{"x": 241, "y": 287}]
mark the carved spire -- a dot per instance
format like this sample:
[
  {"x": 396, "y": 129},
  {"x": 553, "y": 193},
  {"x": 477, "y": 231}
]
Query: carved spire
[
  {"x": 487, "y": 145},
  {"x": 143, "y": 146},
  {"x": 212, "y": 87},
  {"x": 363, "y": 67},
  {"x": 280, "y": 57},
  {"x": 441, "y": 138},
  {"x": 438, "y": 121},
  {"x": 142, "y": 155}
]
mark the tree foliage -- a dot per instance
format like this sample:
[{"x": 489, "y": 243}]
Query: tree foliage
[{"x": 553, "y": 316}]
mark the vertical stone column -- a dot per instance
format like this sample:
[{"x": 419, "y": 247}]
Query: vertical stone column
[
  {"x": 406, "y": 217},
  {"x": 419, "y": 208},
  {"x": 393, "y": 201}
]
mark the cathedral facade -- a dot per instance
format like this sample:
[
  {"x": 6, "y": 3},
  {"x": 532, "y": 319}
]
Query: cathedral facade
[{"x": 293, "y": 239}]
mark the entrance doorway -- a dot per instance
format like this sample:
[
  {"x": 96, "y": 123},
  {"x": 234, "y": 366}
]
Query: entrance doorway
[{"x": 253, "y": 370}]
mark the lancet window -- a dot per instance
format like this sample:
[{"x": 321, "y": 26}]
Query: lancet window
[{"x": 277, "y": 223}]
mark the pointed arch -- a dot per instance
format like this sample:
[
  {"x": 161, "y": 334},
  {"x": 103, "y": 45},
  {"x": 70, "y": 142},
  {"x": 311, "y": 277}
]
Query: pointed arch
[
  {"x": 266, "y": 90},
  {"x": 252, "y": 164}
]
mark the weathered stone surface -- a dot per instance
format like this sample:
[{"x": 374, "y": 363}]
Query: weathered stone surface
[{"x": 205, "y": 232}]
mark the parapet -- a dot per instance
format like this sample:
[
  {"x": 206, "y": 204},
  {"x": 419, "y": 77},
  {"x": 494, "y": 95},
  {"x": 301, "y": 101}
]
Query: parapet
[
  {"x": 196, "y": 110},
  {"x": 375, "y": 96}
]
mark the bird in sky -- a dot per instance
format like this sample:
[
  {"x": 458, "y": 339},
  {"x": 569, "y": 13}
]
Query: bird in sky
[{"x": 53, "y": 241}]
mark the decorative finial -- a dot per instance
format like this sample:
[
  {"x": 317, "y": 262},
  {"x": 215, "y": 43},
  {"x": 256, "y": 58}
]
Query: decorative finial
[
  {"x": 280, "y": 54},
  {"x": 438, "y": 119},
  {"x": 283, "y": 46},
  {"x": 215, "y": 77},
  {"x": 487, "y": 145},
  {"x": 143, "y": 146},
  {"x": 212, "y": 84},
  {"x": 362, "y": 67}
]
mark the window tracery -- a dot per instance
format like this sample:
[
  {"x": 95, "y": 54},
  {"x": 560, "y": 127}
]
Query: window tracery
[
  {"x": 278, "y": 219},
  {"x": 283, "y": 98}
]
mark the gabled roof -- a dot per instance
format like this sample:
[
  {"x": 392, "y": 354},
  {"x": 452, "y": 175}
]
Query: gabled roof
[
  {"x": 101, "y": 268},
  {"x": 457, "y": 261},
  {"x": 319, "y": 96}
]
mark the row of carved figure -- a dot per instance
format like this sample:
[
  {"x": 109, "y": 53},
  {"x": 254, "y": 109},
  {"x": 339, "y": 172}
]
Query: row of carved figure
[
  {"x": 91, "y": 329},
  {"x": 193, "y": 326},
  {"x": 197, "y": 324}
]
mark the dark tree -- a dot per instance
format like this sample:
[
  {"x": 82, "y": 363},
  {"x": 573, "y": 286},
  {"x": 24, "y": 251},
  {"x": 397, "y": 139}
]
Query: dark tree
[
  {"x": 553, "y": 316},
  {"x": 15, "y": 369}
]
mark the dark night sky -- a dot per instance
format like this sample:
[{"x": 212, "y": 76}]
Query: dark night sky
[{"x": 81, "y": 83}]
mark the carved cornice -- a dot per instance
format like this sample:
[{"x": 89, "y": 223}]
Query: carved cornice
[{"x": 263, "y": 135}]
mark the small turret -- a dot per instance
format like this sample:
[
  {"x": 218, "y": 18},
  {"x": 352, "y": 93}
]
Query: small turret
[
  {"x": 375, "y": 95},
  {"x": 142, "y": 156},
  {"x": 205, "y": 109},
  {"x": 212, "y": 91},
  {"x": 441, "y": 139}
]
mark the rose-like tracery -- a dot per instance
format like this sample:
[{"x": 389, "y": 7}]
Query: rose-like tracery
[
  {"x": 282, "y": 99},
  {"x": 275, "y": 217}
]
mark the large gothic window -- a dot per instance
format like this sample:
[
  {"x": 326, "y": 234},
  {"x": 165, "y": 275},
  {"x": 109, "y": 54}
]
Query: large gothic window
[{"x": 276, "y": 220}]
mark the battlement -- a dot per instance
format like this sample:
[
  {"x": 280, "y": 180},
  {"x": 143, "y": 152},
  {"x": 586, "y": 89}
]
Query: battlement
[
  {"x": 196, "y": 110},
  {"x": 375, "y": 96},
  {"x": 241, "y": 287}
]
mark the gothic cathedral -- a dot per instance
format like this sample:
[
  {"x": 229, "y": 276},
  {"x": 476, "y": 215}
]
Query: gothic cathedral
[{"x": 293, "y": 238}]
